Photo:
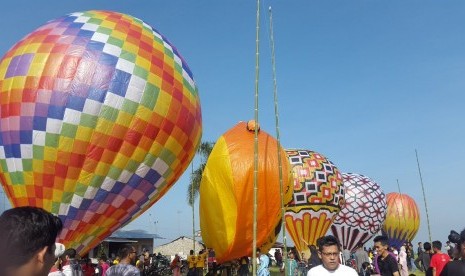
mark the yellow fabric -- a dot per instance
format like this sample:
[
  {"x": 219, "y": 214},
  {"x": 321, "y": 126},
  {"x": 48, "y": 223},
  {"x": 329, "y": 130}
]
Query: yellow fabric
[
  {"x": 192, "y": 260},
  {"x": 201, "y": 260},
  {"x": 217, "y": 202}
]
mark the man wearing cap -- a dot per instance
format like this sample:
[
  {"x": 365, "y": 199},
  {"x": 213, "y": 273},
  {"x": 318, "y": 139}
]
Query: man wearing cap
[{"x": 28, "y": 234}]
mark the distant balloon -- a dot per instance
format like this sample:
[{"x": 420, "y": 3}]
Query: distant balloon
[
  {"x": 226, "y": 193},
  {"x": 99, "y": 117},
  {"x": 318, "y": 197},
  {"x": 363, "y": 213},
  {"x": 402, "y": 219}
]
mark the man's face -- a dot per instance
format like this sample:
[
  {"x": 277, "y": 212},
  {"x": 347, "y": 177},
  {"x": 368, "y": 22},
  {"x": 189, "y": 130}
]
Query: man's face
[
  {"x": 329, "y": 257},
  {"x": 133, "y": 254},
  {"x": 380, "y": 248}
]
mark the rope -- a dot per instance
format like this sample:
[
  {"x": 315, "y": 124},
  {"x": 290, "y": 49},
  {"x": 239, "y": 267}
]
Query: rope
[
  {"x": 255, "y": 178},
  {"x": 424, "y": 196},
  {"x": 275, "y": 92}
]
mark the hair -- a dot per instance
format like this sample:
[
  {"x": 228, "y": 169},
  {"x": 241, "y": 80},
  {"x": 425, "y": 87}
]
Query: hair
[
  {"x": 381, "y": 239},
  {"x": 70, "y": 252},
  {"x": 427, "y": 246},
  {"x": 103, "y": 257},
  {"x": 437, "y": 245},
  {"x": 328, "y": 241},
  {"x": 23, "y": 232},
  {"x": 124, "y": 251},
  {"x": 191, "y": 252},
  {"x": 365, "y": 265}
]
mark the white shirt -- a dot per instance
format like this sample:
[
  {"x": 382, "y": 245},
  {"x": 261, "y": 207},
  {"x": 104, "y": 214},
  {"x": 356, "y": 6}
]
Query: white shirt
[{"x": 342, "y": 270}]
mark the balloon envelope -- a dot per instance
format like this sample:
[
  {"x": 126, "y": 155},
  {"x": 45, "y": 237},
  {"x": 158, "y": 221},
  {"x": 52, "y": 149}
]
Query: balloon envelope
[
  {"x": 363, "y": 213},
  {"x": 318, "y": 197},
  {"x": 100, "y": 116},
  {"x": 226, "y": 193},
  {"x": 402, "y": 219}
]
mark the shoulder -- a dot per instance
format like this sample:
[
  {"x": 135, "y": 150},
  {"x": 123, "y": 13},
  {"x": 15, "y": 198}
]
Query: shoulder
[
  {"x": 347, "y": 270},
  {"x": 315, "y": 270}
]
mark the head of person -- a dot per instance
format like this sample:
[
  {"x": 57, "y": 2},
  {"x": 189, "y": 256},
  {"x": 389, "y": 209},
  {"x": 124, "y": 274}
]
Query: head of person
[
  {"x": 312, "y": 249},
  {"x": 191, "y": 252},
  {"x": 381, "y": 245},
  {"x": 420, "y": 244},
  {"x": 329, "y": 249},
  {"x": 365, "y": 265},
  {"x": 128, "y": 253},
  {"x": 258, "y": 253},
  {"x": 437, "y": 246},
  {"x": 103, "y": 259},
  {"x": 27, "y": 241},
  {"x": 290, "y": 255},
  {"x": 427, "y": 246},
  {"x": 69, "y": 254}
]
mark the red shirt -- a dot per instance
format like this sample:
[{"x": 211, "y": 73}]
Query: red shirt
[{"x": 438, "y": 261}]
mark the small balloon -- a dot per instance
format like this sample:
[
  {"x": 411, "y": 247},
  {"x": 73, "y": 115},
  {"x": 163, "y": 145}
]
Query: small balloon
[
  {"x": 363, "y": 213},
  {"x": 402, "y": 219},
  {"x": 318, "y": 197}
]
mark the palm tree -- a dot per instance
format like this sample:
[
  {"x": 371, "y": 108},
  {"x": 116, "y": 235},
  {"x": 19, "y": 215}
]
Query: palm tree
[{"x": 204, "y": 151}]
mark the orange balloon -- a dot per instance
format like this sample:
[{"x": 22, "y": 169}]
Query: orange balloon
[
  {"x": 402, "y": 219},
  {"x": 227, "y": 188}
]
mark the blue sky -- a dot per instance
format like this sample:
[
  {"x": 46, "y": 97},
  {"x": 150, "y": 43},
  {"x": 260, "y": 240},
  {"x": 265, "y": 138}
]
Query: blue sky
[{"x": 364, "y": 83}]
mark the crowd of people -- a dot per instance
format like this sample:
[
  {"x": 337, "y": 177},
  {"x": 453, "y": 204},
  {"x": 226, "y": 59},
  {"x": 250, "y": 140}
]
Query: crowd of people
[{"x": 27, "y": 247}]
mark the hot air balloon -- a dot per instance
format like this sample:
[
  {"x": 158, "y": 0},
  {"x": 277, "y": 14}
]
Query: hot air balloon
[
  {"x": 100, "y": 116},
  {"x": 318, "y": 197},
  {"x": 402, "y": 219},
  {"x": 363, "y": 213},
  {"x": 227, "y": 188}
]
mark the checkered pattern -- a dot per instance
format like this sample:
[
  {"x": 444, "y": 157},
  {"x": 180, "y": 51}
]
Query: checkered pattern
[
  {"x": 318, "y": 197},
  {"x": 99, "y": 116},
  {"x": 363, "y": 213}
]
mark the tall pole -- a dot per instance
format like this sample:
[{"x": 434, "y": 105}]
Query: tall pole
[
  {"x": 424, "y": 196},
  {"x": 192, "y": 200},
  {"x": 255, "y": 178},
  {"x": 280, "y": 167}
]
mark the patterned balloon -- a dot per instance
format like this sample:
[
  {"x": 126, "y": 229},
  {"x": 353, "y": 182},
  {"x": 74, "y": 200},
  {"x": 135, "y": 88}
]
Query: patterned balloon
[
  {"x": 402, "y": 219},
  {"x": 100, "y": 116},
  {"x": 363, "y": 213},
  {"x": 226, "y": 193},
  {"x": 318, "y": 197}
]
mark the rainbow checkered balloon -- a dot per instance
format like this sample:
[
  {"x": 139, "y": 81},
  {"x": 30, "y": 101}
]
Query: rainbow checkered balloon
[{"x": 99, "y": 116}]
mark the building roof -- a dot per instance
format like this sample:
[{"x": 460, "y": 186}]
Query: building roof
[{"x": 134, "y": 234}]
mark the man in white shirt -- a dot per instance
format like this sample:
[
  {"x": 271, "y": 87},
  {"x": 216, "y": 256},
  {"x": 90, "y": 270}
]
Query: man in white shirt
[{"x": 329, "y": 249}]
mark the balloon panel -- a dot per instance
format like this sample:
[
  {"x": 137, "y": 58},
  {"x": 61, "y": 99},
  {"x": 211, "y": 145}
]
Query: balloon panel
[
  {"x": 318, "y": 191},
  {"x": 99, "y": 117},
  {"x": 402, "y": 219},
  {"x": 363, "y": 213},
  {"x": 226, "y": 193}
]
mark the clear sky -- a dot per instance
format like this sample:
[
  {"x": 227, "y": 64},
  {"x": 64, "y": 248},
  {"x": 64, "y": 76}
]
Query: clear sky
[{"x": 364, "y": 83}]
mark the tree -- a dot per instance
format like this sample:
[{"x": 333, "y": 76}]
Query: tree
[{"x": 204, "y": 151}]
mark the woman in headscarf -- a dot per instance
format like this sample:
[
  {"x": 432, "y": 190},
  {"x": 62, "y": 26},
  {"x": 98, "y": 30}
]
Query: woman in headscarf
[
  {"x": 264, "y": 262},
  {"x": 403, "y": 261}
]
